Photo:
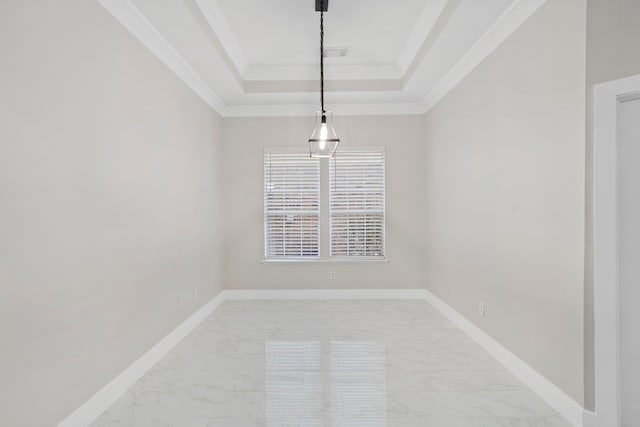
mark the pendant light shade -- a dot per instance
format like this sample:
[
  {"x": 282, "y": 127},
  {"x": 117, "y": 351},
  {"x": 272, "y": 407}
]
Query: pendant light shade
[{"x": 323, "y": 141}]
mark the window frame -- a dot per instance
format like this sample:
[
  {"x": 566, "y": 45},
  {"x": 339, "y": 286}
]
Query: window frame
[{"x": 324, "y": 239}]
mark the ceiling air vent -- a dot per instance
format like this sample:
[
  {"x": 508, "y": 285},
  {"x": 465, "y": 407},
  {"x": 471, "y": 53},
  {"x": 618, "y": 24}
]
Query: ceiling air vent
[{"x": 335, "y": 52}]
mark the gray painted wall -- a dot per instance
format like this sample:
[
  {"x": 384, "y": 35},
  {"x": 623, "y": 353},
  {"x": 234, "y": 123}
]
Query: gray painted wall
[
  {"x": 505, "y": 194},
  {"x": 244, "y": 142},
  {"x": 106, "y": 225},
  {"x": 613, "y": 43},
  {"x": 109, "y": 215}
]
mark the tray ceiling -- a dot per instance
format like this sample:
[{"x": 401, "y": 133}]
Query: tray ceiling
[{"x": 251, "y": 57}]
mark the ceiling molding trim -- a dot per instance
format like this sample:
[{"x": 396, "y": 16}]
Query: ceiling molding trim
[
  {"x": 205, "y": 26},
  {"x": 222, "y": 30},
  {"x": 334, "y": 71},
  {"x": 434, "y": 35},
  {"x": 427, "y": 20},
  {"x": 133, "y": 20},
  {"x": 353, "y": 77},
  {"x": 512, "y": 18},
  {"x": 337, "y": 109},
  {"x": 313, "y": 85}
]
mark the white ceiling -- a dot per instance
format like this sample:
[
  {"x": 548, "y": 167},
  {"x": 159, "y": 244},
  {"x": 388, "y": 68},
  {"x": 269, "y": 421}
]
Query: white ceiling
[
  {"x": 285, "y": 32},
  {"x": 257, "y": 57}
]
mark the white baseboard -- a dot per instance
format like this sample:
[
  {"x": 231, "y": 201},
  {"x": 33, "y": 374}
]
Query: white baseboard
[
  {"x": 556, "y": 398},
  {"x": 103, "y": 399},
  {"x": 323, "y": 294}
]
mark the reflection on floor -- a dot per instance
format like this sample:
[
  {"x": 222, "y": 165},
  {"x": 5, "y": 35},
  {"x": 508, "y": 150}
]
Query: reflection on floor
[{"x": 369, "y": 363}]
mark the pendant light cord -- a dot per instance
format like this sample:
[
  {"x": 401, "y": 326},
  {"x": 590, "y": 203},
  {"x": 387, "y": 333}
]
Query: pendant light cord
[{"x": 322, "y": 57}]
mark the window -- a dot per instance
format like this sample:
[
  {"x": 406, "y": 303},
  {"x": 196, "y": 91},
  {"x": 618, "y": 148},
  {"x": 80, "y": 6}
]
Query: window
[
  {"x": 291, "y": 205},
  {"x": 356, "y": 203},
  {"x": 350, "y": 191}
]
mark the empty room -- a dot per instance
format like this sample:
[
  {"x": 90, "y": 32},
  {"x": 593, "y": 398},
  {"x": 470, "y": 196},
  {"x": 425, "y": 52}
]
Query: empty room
[{"x": 320, "y": 213}]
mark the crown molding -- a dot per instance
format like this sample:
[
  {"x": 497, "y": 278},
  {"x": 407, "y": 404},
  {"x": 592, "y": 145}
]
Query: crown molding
[
  {"x": 133, "y": 20},
  {"x": 426, "y": 22},
  {"x": 294, "y": 110},
  {"x": 266, "y": 73},
  {"x": 312, "y": 85},
  {"x": 510, "y": 20},
  {"x": 222, "y": 30}
]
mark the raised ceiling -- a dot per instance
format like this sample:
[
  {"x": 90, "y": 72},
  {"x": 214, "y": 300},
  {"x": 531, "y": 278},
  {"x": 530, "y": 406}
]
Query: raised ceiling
[{"x": 257, "y": 57}]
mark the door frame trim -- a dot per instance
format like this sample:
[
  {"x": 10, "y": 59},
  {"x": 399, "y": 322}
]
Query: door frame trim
[{"x": 607, "y": 98}]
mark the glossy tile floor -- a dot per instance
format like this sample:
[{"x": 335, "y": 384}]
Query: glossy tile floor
[{"x": 368, "y": 363}]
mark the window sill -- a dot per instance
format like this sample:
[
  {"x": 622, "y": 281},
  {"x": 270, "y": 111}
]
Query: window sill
[{"x": 322, "y": 261}]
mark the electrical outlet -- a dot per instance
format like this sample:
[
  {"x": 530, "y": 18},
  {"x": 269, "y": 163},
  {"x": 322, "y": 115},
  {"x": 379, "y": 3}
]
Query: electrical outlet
[
  {"x": 482, "y": 310},
  {"x": 195, "y": 294},
  {"x": 332, "y": 275}
]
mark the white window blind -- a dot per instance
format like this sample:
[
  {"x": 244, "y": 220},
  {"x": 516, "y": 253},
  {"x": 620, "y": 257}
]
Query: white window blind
[
  {"x": 357, "y": 203},
  {"x": 291, "y": 205}
]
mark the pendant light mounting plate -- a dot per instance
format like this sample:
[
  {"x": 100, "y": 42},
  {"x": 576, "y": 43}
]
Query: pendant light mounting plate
[{"x": 322, "y": 5}]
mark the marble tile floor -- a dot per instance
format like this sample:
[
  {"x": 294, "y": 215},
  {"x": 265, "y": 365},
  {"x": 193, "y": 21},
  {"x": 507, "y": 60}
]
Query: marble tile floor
[{"x": 339, "y": 363}]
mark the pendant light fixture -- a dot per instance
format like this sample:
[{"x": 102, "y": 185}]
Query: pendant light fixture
[{"x": 323, "y": 141}]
